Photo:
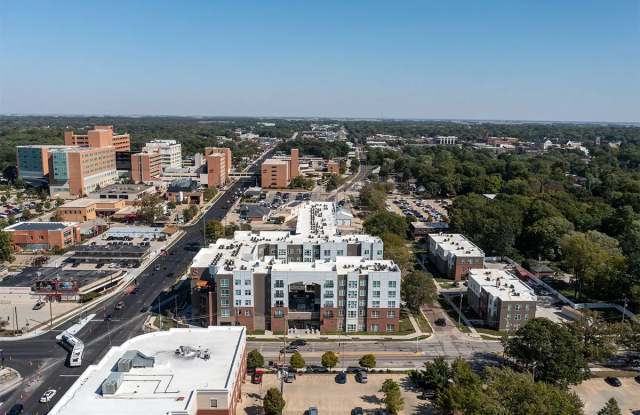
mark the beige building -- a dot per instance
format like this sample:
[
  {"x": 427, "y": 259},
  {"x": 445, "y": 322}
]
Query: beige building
[
  {"x": 333, "y": 167},
  {"x": 86, "y": 209},
  {"x": 218, "y": 162},
  {"x": 100, "y": 136},
  {"x": 77, "y": 171},
  {"x": 146, "y": 166},
  {"x": 277, "y": 173}
]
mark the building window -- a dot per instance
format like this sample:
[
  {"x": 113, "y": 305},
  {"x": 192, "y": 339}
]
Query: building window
[
  {"x": 224, "y": 283},
  {"x": 213, "y": 403},
  {"x": 279, "y": 294},
  {"x": 375, "y": 304},
  {"x": 328, "y": 284},
  {"x": 376, "y": 284},
  {"x": 238, "y": 282},
  {"x": 391, "y": 314},
  {"x": 328, "y": 294},
  {"x": 353, "y": 294},
  {"x": 375, "y": 314},
  {"x": 517, "y": 307},
  {"x": 327, "y": 252},
  {"x": 340, "y": 312},
  {"x": 340, "y": 303},
  {"x": 353, "y": 284},
  {"x": 391, "y": 304},
  {"x": 363, "y": 283},
  {"x": 247, "y": 303},
  {"x": 278, "y": 313},
  {"x": 351, "y": 327},
  {"x": 375, "y": 328},
  {"x": 279, "y": 284},
  {"x": 351, "y": 314},
  {"x": 361, "y": 312},
  {"x": 225, "y": 312},
  {"x": 342, "y": 283},
  {"x": 352, "y": 304},
  {"x": 247, "y": 292},
  {"x": 392, "y": 294},
  {"x": 363, "y": 293},
  {"x": 238, "y": 292},
  {"x": 247, "y": 313},
  {"x": 341, "y": 292},
  {"x": 376, "y": 294},
  {"x": 339, "y": 252},
  {"x": 390, "y": 328},
  {"x": 392, "y": 284},
  {"x": 328, "y": 313},
  {"x": 238, "y": 303},
  {"x": 328, "y": 304},
  {"x": 224, "y": 302},
  {"x": 517, "y": 317},
  {"x": 224, "y": 293}
]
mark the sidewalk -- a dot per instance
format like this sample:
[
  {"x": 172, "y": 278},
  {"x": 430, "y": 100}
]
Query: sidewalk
[{"x": 9, "y": 380}]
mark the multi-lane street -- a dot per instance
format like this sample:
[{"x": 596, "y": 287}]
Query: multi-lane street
[{"x": 41, "y": 361}]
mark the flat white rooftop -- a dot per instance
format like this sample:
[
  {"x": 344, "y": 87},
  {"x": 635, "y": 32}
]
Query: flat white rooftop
[
  {"x": 316, "y": 219},
  {"x": 169, "y": 385},
  {"x": 501, "y": 284},
  {"x": 456, "y": 244}
]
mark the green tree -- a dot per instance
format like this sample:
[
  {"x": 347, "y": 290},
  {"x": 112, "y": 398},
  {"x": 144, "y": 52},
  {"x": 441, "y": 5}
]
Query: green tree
[
  {"x": 214, "y": 230},
  {"x": 296, "y": 361},
  {"x": 273, "y": 402},
  {"x": 383, "y": 221},
  {"x": 610, "y": 408},
  {"x": 395, "y": 249},
  {"x": 150, "y": 209},
  {"x": 418, "y": 289},
  {"x": 189, "y": 213},
  {"x": 544, "y": 235},
  {"x": 596, "y": 335},
  {"x": 549, "y": 351},
  {"x": 435, "y": 375},
  {"x": 393, "y": 400},
  {"x": 373, "y": 196},
  {"x": 329, "y": 360},
  {"x": 6, "y": 253},
  {"x": 368, "y": 361},
  {"x": 332, "y": 183},
  {"x": 593, "y": 258},
  {"x": 254, "y": 360},
  {"x": 210, "y": 193}
]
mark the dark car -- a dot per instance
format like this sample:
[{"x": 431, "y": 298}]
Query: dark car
[
  {"x": 341, "y": 378},
  {"x": 144, "y": 309},
  {"x": 317, "y": 369},
  {"x": 357, "y": 411},
  {"x": 289, "y": 349},
  {"x": 298, "y": 342},
  {"x": 637, "y": 378},
  {"x": 441, "y": 322},
  {"x": 613, "y": 381},
  {"x": 353, "y": 369},
  {"x": 16, "y": 409}
]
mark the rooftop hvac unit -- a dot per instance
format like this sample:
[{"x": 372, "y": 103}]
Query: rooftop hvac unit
[{"x": 111, "y": 384}]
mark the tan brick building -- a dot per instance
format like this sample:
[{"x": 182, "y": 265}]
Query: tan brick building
[
  {"x": 100, "y": 136},
  {"x": 333, "y": 167},
  {"x": 43, "y": 235},
  {"x": 85, "y": 209},
  {"x": 77, "y": 171},
  {"x": 146, "y": 167},
  {"x": 277, "y": 173},
  {"x": 218, "y": 161}
]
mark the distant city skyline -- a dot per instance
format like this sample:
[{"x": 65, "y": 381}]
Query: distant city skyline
[{"x": 495, "y": 60}]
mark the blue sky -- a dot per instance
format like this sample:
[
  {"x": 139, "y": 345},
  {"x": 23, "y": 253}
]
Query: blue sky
[{"x": 516, "y": 59}]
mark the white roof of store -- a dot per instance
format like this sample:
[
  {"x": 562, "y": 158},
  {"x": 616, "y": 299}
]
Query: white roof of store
[
  {"x": 502, "y": 284},
  {"x": 166, "y": 387},
  {"x": 316, "y": 219}
]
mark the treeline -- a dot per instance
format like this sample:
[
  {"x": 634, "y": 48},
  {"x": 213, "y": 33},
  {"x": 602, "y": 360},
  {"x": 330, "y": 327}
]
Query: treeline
[
  {"x": 477, "y": 131},
  {"x": 315, "y": 147},
  {"x": 193, "y": 133}
]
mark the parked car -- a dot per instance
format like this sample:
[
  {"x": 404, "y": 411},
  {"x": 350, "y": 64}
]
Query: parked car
[
  {"x": 637, "y": 379},
  {"x": 362, "y": 377},
  {"x": 312, "y": 411},
  {"x": 144, "y": 309},
  {"x": 357, "y": 411},
  {"x": 120, "y": 305},
  {"x": 354, "y": 369},
  {"x": 341, "y": 378},
  {"x": 441, "y": 322},
  {"x": 317, "y": 369},
  {"x": 613, "y": 381},
  {"x": 38, "y": 305},
  {"x": 290, "y": 377},
  {"x": 47, "y": 396},
  {"x": 256, "y": 377},
  {"x": 298, "y": 342},
  {"x": 289, "y": 349}
]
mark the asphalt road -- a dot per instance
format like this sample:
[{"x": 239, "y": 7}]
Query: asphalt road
[{"x": 42, "y": 362}]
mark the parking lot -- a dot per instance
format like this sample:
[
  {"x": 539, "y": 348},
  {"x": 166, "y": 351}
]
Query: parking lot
[
  {"x": 322, "y": 391},
  {"x": 596, "y": 392},
  {"x": 424, "y": 210}
]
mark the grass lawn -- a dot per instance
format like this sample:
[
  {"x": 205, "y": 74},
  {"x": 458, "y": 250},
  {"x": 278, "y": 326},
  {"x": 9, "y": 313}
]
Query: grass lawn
[
  {"x": 167, "y": 323},
  {"x": 405, "y": 325},
  {"x": 491, "y": 332},
  {"x": 422, "y": 323},
  {"x": 446, "y": 283}
]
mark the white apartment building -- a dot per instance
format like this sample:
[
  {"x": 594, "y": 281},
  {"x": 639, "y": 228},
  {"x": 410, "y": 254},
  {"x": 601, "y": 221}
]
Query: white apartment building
[
  {"x": 186, "y": 371},
  {"x": 313, "y": 279},
  {"x": 170, "y": 152}
]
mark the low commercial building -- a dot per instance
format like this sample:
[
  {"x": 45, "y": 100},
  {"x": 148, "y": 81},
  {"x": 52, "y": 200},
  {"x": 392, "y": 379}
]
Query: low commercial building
[
  {"x": 130, "y": 193},
  {"x": 454, "y": 255},
  {"x": 277, "y": 173},
  {"x": 43, "y": 235},
  {"x": 146, "y": 167},
  {"x": 314, "y": 279},
  {"x": 500, "y": 298},
  {"x": 333, "y": 167},
  {"x": 195, "y": 371},
  {"x": 254, "y": 212},
  {"x": 86, "y": 209},
  {"x": 184, "y": 191},
  {"x": 78, "y": 171}
]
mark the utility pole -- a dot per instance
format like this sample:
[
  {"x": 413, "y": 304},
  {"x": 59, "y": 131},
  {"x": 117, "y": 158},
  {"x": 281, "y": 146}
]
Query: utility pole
[
  {"x": 50, "y": 314},
  {"x": 625, "y": 301},
  {"x": 460, "y": 308},
  {"x": 15, "y": 312}
]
